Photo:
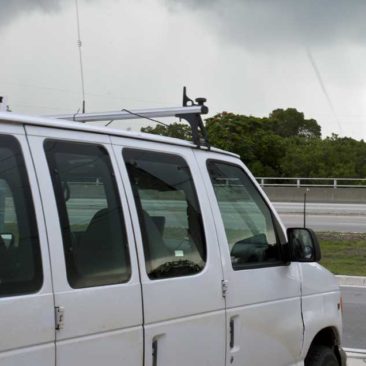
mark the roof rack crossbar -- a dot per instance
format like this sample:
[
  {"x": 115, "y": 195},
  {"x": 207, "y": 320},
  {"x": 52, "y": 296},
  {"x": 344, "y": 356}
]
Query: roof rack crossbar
[
  {"x": 190, "y": 111},
  {"x": 132, "y": 114}
]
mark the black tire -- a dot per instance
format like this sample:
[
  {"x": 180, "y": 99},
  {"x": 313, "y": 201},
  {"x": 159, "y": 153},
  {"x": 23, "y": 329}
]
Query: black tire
[{"x": 321, "y": 356}]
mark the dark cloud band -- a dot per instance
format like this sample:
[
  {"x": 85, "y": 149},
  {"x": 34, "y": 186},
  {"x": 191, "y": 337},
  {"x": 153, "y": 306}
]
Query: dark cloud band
[
  {"x": 10, "y": 10},
  {"x": 258, "y": 23}
]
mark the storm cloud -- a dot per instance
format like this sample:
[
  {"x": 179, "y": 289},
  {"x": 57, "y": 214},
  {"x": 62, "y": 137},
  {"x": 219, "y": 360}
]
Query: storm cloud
[
  {"x": 11, "y": 9},
  {"x": 248, "y": 23},
  {"x": 268, "y": 23}
]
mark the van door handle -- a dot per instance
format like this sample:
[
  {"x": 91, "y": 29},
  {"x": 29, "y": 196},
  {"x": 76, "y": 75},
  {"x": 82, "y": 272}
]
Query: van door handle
[
  {"x": 155, "y": 352},
  {"x": 232, "y": 334}
]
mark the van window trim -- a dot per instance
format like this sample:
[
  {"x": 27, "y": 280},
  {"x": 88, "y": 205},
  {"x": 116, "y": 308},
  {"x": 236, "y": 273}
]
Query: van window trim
[
  {"x": 63, "y": 215},
  {"x": 13, "y": 144},
  {"x": 280, "y": 236},
  {"x": 138, "y": 206}
]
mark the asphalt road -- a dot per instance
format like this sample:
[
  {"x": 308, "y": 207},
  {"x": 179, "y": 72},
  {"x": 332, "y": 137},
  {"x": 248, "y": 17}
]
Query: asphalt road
[
  {"x": 322, "y": 208},
  {"x": 324, "y": 217},
  {"x": 355, "y": 224},
  {"x": 354, "y": 317},
  {"x": 320, "y": 216}
]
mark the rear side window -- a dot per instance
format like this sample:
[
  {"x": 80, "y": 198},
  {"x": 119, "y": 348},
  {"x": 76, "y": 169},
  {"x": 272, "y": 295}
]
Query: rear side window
[
  {"x": 247, "y": 219},
  {"x": 90, "y": 212},
  {"x": 20, "y": 257},
  {"x": 169, "y": 213}
]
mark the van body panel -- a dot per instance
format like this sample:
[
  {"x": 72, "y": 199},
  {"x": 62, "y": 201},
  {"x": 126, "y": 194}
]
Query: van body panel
[
  {"x": 269, "y": 327},
  {"x": 27, "y": 321},
  {"x": 316, "y": 279},
  {"x": 181, "y": 299},
  {"x": 321, "y": 311},
  {"x": 192, "y": 340},
  {"x": 263, "y": 305},
  {"x": 111, "y": 314},
  {"x": 321, "y": 303},
  {"x": 271, "y": 321},
  {"x": 101, "y": 349},
  {"x": 43, "y": 355},
  {"x": 235, "y": 309}
]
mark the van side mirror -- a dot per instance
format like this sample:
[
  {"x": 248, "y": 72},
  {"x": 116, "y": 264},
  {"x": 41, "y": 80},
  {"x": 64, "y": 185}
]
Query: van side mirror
[{"x": 303, "y": 245}]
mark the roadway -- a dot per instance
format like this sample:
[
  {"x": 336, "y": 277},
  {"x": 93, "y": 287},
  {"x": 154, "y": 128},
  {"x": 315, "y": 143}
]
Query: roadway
[
  {"x": 354, "y": 317},
  {"x": 322, "y": 208},
  {"x": 324, "y": 216},
  {"x": 345, "y": 224}
]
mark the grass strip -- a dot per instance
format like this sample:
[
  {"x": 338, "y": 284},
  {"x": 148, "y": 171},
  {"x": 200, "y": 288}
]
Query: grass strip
[{"x": 343, "y": 253}]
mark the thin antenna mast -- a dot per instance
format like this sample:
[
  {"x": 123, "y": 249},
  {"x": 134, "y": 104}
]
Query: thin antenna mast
[{"x": 79, "y": 43}]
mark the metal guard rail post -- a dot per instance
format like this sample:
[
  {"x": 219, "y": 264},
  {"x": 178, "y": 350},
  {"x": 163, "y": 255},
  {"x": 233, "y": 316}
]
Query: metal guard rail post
[{"x": 322, "y": 182}]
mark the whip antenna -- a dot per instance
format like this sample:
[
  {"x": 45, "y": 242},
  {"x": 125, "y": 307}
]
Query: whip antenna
[{"x": 79, "y": 44}]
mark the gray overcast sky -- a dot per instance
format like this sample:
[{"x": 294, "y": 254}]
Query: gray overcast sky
[{"x": 245, "y": 56}]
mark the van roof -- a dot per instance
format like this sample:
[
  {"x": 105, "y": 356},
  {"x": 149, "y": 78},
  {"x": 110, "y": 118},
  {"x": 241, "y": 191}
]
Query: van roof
[{"x": 78, "y": 126}]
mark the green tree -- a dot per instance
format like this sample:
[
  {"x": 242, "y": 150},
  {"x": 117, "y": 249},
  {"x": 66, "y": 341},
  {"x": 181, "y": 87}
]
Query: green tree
[
  {"x": 177, "y": 130},
  {"x": 289, "y": 122},
  {"x": 331, "y": 157},
  {"x": 284, "y": 144},
  {"x": 251, "y": 138}
]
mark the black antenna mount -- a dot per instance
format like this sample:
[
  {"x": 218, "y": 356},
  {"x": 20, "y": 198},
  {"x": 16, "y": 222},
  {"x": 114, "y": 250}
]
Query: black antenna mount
[{"x": 199, "y": 133}]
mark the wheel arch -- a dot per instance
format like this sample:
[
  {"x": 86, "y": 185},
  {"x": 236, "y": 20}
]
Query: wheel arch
[{"x": 328, "y": 337}]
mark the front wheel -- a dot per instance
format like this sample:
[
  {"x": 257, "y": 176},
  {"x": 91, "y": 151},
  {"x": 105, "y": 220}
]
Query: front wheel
[{"x": 321, "y": 356}]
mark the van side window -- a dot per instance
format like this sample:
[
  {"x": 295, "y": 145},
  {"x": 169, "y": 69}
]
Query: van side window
[
  {"x": 90, "y": 213},
  {"x": 20, "y": 256},
  {"x": 247, "y": 219},
  {"x": 169, "y": 213}
]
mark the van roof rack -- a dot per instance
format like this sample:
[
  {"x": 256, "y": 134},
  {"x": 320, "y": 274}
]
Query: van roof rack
[
  {"x": 4, "y": 104},
  {"x": 190, "y": 111}
]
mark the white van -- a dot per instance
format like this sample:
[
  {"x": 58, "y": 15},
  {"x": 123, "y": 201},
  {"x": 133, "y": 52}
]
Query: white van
[{"x": 121, "y": 248}]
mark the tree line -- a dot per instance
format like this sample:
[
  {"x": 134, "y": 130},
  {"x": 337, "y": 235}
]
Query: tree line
[{"x": 284, "y": 144}]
